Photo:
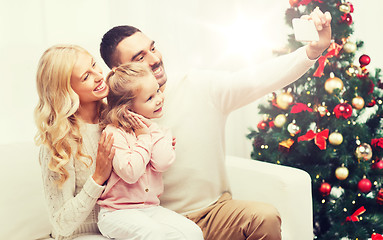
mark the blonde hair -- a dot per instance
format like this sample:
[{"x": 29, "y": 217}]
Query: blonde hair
[
  {"x": 124, "y": 85},
  {"x": 55, "y": 114}
]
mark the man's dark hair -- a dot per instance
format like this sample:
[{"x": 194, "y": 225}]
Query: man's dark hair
[{"x": 111, "y": 39}]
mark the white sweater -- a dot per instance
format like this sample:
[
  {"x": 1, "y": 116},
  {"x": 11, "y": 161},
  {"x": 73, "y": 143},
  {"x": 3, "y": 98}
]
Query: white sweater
[
  {"x": 72, "y": 209},
  {"x": 196, "y": 109}
]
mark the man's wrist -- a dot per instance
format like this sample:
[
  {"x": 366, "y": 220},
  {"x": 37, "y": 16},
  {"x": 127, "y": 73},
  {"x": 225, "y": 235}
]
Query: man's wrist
[{"x": 312, "y": 53}]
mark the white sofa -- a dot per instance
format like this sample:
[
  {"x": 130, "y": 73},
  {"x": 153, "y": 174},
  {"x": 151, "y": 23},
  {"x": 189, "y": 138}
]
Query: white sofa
[{"x": 23, "y": 214}]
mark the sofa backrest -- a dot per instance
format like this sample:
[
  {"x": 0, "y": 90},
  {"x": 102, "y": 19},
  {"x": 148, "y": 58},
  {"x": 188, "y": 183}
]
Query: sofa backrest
[{"x": 22, "y": 203}]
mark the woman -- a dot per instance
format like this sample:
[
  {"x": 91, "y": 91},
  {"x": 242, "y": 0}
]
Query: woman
[{"x": 76, "y": 159}]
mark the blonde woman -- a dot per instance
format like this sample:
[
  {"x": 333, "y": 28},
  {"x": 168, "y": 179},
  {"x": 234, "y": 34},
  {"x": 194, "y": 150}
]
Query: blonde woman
[{"x": 75, "y": 158}]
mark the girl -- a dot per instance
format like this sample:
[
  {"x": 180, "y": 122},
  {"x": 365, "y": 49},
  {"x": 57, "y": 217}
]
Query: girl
[
  {"x": 75, "y": 158},
  {"x": 130, "y": 203}
]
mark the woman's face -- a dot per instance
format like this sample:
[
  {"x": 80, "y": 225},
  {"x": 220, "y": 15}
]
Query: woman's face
[{"x": 87, "y": 80}]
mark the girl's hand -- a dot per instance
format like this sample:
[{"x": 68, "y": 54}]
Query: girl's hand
[
  {"x": 139, "y": 123},
  {"x": 105, "y": 155}
]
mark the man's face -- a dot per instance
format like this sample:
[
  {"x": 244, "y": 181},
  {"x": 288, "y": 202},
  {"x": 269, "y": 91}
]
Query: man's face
[{"x": 139, "y": 48}]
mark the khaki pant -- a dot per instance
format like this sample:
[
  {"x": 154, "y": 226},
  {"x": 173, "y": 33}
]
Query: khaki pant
[{"x": 229, "y": 219}]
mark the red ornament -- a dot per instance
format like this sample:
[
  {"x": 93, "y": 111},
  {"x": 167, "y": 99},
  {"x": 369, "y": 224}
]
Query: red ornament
[
  {"x": 364, "y": 60},
  {"x": 263, "y": 126},
  {"x": 346, "y": 18},
  {"x": 325, "y": 189},
  {"x": 378, "y": 165},
  {"x": 379, "y": 197},
  {"x": 343, "y": 110},
  {"x": 364, "y": 185},
  {"x": 376, "y": 236}
]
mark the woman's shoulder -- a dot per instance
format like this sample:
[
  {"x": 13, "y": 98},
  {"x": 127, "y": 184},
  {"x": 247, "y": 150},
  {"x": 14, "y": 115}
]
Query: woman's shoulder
[{"x": 44, "y": 152}]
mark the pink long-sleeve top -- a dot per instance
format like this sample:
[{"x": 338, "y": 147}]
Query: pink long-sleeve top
[{"x": 136, "y": 179}]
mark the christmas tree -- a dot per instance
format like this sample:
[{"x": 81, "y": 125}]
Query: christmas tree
[{"x": 328, "y": 123}]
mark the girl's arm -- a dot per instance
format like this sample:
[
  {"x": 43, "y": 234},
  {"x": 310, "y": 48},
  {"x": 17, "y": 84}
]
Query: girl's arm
[
  {"x": 131, "y": 154},
  {"x": 67, "y": 211}
]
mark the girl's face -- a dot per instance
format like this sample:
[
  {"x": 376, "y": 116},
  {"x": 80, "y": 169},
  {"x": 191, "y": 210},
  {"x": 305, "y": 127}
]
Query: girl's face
[
  {"x": 87, "y": 80},
  {"x": 149, "y": 100}
]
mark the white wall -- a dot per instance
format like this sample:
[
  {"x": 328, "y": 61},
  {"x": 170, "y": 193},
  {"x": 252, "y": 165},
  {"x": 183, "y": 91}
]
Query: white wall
[
  {"x": 27, "y": 29},
  {"x": 188, "y": 33}
]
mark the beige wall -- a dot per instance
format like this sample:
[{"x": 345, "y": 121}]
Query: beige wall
[{"x": 189, "y": 34}]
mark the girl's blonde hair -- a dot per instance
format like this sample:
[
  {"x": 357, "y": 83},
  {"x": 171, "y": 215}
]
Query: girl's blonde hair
[
  {"x": 55, "y": 114},
  {"x": 124, "y": 84}
]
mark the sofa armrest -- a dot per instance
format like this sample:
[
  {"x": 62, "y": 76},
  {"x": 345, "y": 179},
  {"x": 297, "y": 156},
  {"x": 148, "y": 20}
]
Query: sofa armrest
[
  {"x": 287, "y": 188},
  {"x": 23, "y": 211}
]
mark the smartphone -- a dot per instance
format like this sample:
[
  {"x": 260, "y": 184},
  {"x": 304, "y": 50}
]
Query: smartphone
[{"x": 305, "y": 30}]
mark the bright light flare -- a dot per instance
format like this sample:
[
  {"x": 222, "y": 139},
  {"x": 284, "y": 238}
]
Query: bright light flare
[{"x": 245, "y": 37}]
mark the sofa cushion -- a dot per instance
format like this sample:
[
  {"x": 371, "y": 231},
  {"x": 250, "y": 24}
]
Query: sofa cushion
[{"x": 23, "y": 211}]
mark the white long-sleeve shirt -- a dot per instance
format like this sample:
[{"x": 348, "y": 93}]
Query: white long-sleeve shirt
[
  {"x": 72, "y": 209},
  {"x": 197, "y": 106}
]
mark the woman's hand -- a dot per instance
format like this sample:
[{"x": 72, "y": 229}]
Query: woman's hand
[
  {"x": 105, "y": 155},
  {"x": 322, "y": 23},
  {"x": 139, "y": 123}
]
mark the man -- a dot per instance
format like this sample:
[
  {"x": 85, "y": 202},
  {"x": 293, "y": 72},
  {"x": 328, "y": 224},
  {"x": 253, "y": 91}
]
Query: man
[{"x": 196, "y": 109}]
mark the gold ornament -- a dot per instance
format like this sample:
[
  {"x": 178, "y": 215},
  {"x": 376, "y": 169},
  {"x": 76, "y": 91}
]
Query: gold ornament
[
  {"x": 363, "y": 151},
  {"x": 280, "y": 120},
  {"x": 333, "y": 83},
  {"x": 321, "y": 109},
  {"x": 353, "y": 70},
  {"x": 357, "y": 102},
  {"x": 335, "y": 138},
  {"x": 349, "y": 47},
  {"x": 284, "y": 100},
  {"x": 344, "y": 7},
  {"x": 341, "y": 173}
]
